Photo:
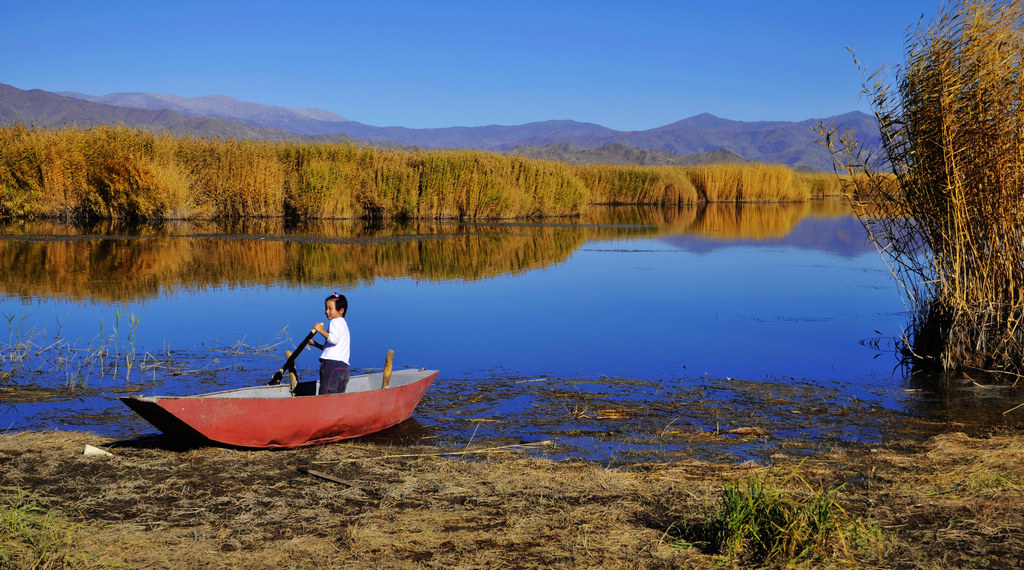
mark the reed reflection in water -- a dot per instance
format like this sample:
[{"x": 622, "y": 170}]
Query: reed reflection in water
[
  {"x": 110, "y": 262},
  {"x": 670, "y": 295}
]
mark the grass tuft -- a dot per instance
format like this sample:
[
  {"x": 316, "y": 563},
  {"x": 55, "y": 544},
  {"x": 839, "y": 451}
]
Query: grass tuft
[
  {"x": 31, "y": 536},
  {"x": 760, "y": 522}
]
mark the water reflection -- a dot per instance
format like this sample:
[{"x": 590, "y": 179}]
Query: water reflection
[
  {"x": 974, "y": 401},
  {"x": 115, "y": 262}
]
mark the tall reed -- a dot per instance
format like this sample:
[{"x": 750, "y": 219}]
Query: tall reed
[
  {"x": 332, "y": 180},
  {"x": 481, "y": 185},
  {"x": 122, "y": 173},
  {"x": 951, "y": 131},
  {"x": 819, "y": 185},
  {"x": 615, "y": 184},
  {"x": 747, "y": 183},
  {"x": 40, "y": 172}
]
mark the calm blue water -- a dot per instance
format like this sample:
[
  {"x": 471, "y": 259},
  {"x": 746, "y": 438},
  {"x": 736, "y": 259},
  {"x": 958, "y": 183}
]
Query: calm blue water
[{"x": 669, "y": 312}]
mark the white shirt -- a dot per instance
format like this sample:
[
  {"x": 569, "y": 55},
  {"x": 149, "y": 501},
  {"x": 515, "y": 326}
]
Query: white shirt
[{"x": 337, "y": 345}]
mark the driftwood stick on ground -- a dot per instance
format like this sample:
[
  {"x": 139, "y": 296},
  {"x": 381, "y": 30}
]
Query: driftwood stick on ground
[
  {"x": 499, "y": 449},
  {"x": 305, "y": 469}
]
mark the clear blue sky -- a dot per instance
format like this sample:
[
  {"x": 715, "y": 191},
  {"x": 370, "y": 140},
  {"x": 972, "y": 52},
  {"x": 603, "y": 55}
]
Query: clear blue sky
[{"x": 625, "y": 65}]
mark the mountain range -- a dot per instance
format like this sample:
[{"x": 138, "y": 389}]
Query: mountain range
[{"x": 696, "y": 140}]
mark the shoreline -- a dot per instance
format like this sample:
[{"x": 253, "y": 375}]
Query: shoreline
[{"x": 946, "y": 500}]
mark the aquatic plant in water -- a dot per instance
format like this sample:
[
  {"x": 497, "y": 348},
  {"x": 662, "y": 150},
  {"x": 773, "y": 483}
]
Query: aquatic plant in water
[{"x": 25, "y": 355}]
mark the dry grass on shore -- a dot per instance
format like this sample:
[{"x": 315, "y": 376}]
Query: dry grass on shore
[{"x": 950, "y": 501}]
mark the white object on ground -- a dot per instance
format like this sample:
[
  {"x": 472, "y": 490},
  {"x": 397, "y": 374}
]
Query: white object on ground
[{"x": 91, "y": 451}]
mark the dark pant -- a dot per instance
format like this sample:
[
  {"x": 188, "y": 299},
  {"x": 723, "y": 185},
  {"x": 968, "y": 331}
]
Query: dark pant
[{"x": 333, "y": 376}]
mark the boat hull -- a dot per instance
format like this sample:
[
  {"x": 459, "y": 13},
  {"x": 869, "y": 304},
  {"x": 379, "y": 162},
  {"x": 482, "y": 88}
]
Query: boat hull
[{"x": 270, "y": 417}]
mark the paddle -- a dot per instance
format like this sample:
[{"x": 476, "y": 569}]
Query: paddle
[{"x": 290, "y": 363}]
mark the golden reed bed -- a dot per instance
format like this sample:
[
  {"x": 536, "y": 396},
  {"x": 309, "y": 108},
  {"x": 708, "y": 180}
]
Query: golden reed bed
[{"x": 117, "y": 172}]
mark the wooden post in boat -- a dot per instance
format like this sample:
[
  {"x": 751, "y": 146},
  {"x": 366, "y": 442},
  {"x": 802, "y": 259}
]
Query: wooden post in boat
[{"x": 387, "y": 370}]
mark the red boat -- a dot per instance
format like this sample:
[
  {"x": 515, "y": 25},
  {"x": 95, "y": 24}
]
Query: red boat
[{"x": 275, "y": 417}]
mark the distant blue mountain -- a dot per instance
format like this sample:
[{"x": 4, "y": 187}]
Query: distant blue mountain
[
  {"x": 299, "y": 121},
  {"x": 782, "y": 142}
]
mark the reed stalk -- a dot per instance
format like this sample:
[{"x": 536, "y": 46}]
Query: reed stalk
[{"x": 953, "y": 205}]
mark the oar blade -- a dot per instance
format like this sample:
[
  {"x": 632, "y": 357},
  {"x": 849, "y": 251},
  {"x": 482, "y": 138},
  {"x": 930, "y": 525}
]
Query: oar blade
[{"x": 290, "y": 362}]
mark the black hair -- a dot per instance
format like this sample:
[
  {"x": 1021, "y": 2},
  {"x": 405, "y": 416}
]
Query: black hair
[{"x": 340, "y": 302}]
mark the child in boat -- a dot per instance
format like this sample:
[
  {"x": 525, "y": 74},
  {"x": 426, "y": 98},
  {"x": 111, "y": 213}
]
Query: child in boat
[{"x": 334, "y": 360}]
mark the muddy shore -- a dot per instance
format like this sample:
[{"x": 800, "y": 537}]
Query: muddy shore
[{"x": 945, "y": 501}]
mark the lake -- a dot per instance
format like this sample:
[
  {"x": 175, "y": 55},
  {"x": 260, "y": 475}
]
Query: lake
[{"x": 636, "y": 334}]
